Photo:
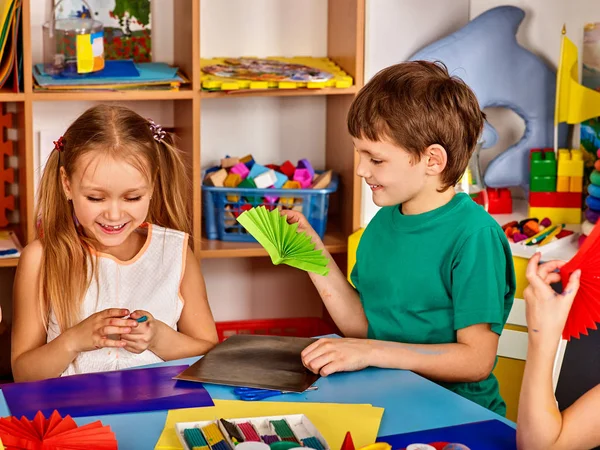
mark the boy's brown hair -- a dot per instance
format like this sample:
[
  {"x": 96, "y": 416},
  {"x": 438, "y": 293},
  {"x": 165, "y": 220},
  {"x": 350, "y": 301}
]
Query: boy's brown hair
[{"x": 416, "y": 104}]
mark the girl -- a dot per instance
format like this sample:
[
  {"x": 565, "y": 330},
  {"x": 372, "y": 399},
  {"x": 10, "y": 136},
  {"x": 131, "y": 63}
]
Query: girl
[
  {"x": 540, "y": 424},
  {"x": 109, "y": 283}
]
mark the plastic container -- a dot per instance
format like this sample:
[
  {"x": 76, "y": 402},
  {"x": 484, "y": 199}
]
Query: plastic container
[
  {"x": 221, "y": 206},
  {"x": 73, "y": 46},
  {"x": 297, "y": 327}
]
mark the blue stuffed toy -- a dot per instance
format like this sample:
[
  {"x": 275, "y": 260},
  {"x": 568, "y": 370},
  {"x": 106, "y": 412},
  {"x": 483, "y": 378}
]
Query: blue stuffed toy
[{"x": 486, "y": 55}]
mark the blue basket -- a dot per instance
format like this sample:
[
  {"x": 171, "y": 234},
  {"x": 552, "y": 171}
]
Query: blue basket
[{"x": 221, "y": 203}]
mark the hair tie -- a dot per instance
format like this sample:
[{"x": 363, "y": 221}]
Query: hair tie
[
  {"x": 59, "y": 145},
  {"x": 157, "y": 132}
]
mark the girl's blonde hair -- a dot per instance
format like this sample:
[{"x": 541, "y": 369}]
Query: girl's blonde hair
[{"x": 120, "y": 133}]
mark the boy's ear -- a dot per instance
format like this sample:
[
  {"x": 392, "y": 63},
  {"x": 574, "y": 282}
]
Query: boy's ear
[
  {"x": 437, "y": 158},
  {"x": 64, "y": 179}
]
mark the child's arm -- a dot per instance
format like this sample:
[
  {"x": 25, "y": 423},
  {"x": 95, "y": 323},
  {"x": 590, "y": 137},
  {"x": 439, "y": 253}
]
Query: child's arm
[
  {"x": 470, "y": 359},
  {"x": 31, "y": 357},
  {"x": 340, "y": 298},
  {"x": 540, "y": 424},
  {"x": 196, "y": 327}
]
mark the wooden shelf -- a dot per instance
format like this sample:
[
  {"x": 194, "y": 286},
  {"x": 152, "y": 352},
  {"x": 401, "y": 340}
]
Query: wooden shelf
[
  {"x": 303, "y": 92},
  {"x": 182, "y": 94},
  {"x": 8, "y": 96},
  {"x": 334, "y": 242},
  {"x": 9, "y": 262}
]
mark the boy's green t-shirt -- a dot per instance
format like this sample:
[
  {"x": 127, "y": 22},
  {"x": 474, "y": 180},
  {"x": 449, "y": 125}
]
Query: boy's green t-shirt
[{"x": 423, "y": 277}]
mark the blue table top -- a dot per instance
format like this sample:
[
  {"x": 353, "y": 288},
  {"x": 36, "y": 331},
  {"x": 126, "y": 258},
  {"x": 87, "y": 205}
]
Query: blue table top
[{"x": 411, "y": 403}]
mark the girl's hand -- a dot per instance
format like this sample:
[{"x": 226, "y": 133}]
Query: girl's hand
[
  {"x": 327, "y": 356},
  {"x": 303, "y": 226},
  {"x": 547, "y": 311},
  {"x": 144, "y": 335},
  {"x": 100, "y": 330}
]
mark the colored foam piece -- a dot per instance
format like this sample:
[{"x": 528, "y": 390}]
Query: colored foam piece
[
  {"x": 305, "y": 164},
  {"x": 248, "y": 183},
  {"x": 281, "y": 179},
  {"x": 322, "y": 180},
  {"x": 227, "y": 163},
  {"x": 555, "y": 199},
  {"x": 545, "y": 222},
  {"x": 592, "y": 215},
  {"x": 501, "y": 72},
  {"x": 303, "y": 177},
  {"x": 256, "y": 170},
  {"x": 248, "y": 160},
  {"x": 241, "y": 170},
  {"x": 595, "y": 177},
  {"x": 272, "y": 199},
  {"x": 593, "y": 202},
  {"x": 593, "y": 190},
  {"x": 274, "y": 167},
  {"x": 133, "y": 390},
  {"x": 288, "y": 169},
  {"x": 212, "y": 169},
  {"x": 266, "y": 179}
]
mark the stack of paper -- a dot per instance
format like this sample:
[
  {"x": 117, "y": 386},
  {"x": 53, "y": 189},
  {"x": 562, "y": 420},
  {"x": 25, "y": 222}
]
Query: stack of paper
[
  {"x": 333, "y": 420},
  {"x": 9, "y": 245},
  {"x": 116, "y": 75},
  {"x": 11, "y": 54}
]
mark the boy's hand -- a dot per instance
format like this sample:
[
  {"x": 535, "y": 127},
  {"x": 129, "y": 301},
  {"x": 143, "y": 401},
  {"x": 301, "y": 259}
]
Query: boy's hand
[
  {"x": 547, "y": 311},
  {"x": 144, "y": 335},
  {"x": 99, "y": 330},
  {"x": 327, "y": 356},
  {"x": 303, "y": 225}
]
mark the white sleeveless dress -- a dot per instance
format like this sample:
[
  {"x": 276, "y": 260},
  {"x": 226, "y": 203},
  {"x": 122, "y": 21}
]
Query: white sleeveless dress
[{"x": 150, "y": 281}]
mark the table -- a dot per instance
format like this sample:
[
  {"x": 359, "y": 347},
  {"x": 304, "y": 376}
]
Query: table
[{"x": 411, "y": 403}]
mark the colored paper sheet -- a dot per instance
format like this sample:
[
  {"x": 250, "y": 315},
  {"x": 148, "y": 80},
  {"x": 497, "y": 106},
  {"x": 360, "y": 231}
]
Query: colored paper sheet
[
  {"x": 101, "y": 393},
  {"x": 333, "y": 420},
  {"x": 489, "y": 435}
]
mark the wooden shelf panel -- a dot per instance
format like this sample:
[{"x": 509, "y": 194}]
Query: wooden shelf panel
[
  {"x": 8, "y": 96},
  {"x": 113, "y": 95},
  {"x": 279, "y": 92},
  {"x": 334, "y": 242},
  {"x": 9, "y": 262}
]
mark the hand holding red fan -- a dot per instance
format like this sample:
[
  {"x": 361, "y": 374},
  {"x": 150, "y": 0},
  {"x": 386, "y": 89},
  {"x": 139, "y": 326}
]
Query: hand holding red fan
[
  {"x": 585, "y": 312},
  {"x": 54, "y": 433}
]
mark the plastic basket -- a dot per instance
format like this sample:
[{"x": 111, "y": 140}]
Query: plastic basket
[
  {"x": 298, "y": 327},
  {"x": 221, "y": 206}
]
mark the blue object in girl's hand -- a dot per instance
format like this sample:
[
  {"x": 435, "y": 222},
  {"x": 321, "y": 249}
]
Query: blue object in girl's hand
[{"x": 141, "y": 319}]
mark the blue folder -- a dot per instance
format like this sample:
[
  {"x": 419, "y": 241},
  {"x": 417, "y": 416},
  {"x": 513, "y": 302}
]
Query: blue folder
[{"x": 488, "y": 435}]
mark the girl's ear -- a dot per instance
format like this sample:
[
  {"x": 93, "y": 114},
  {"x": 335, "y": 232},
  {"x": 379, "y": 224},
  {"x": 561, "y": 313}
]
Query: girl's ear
[
  {"x": 65, "y": 183},
  {"x": 437, "y": 158}
]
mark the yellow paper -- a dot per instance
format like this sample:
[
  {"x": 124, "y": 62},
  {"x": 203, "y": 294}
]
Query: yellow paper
[
  {"x": 85, "y": 54},
  {"x": 575, "y": 103},
  {"x": 333, "y": 420}
]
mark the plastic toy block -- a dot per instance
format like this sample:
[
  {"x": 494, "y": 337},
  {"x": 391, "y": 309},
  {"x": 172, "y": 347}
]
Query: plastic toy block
[
  {"x": 543, "y": 184},
  {"x": 249, "y": 183},
  {"x": 499, "y": 201},
  {"x": 287, "y": 168},
  {"x": 227, "y": 163},
  {"x": 543, "y": 163},
  {"x": 216, "y": 178},
  {"x": 305, "y": 164},
  {"x": 563, "y": 184},
  {"x": 570, "y": 163},
  {"x": 256, "y": 170},
  {"x": 232, "y": 180},
  {"x": 555, "y": 199},
  {"x": 248, "y": 160},
  {"x": 214, "y": 82},
  {"x": 265, "y": 179},
  {"x": 241, "y": 170},
  {"x": 274, "y": 167},
  {"x": 303, "y": 177},
  {"x": 557, "y": 215},
  {"x": 281, "y": 179},
  {"x": 7, "y": 175},
  {"x": 289, "y": 201},
  {"x": 576, "y": 184}
]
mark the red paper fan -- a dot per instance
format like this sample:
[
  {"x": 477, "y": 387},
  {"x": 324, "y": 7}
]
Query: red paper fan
[
  {"x": 54, "y": 433},
  {"x": 585, "y": 312}
]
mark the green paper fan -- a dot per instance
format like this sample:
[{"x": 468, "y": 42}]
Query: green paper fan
[{"x": 282, "y": 241}]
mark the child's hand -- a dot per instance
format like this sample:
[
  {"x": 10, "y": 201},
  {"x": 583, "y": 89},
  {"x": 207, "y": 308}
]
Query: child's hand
[
  {"x": 327, "y": 356},
  {"x": 141, "y": 337},
  {"x": 98, "y": 330},
  {"x": 303, "y": 225},
  {"x": 547, "y": 311}
]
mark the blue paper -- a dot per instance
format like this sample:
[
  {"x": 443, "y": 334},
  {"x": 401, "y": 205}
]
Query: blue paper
[
  {"x": 488, "y": 435},
  {"x": 103, "y": 393},
  {"x": 112, "y": 69}
]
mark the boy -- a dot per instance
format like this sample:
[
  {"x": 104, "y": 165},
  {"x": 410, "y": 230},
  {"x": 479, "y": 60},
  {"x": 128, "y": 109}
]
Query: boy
[{"x": 434, "y": 275}]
